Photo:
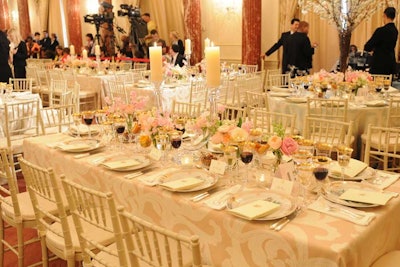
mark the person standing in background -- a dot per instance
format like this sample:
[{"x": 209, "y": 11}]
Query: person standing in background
[
  {"x": 175, "y": 39},
  {"x": 18, "y": 53},
  {"x": 151, "y": 24},
  {"x": 53, "y": 42},
  {"x": 45, "y": 42},
  {"x": 5, "y": 70},
  {"x": 382, "y": 44},
  {"x": 32, "y": 47},
  {"x": 294, "y": 25}
]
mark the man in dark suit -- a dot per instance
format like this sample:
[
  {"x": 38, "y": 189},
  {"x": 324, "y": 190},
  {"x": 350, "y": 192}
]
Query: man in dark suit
[
  {"x": 382, "y": 44},
  {"x": 294, "y": 24},
  {"x": 176, "y": 58},
  {"x": 45, "y": 42},
  {"x": 299, "y": 50}
]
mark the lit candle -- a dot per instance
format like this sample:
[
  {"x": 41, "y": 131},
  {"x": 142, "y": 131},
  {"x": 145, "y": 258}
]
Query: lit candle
[
  {"x": 97, "y": 50},
  {"x": 213, "y": 69},
  {"x": 188, "y": 47},
  {"x": 206, "y": 43},
  {"x": 156, "y": 74},
  {"x": 84, "y": 54},
  {"x": 72, "y": 50}
]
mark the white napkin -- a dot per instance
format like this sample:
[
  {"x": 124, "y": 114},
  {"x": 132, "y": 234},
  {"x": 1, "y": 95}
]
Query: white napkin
[
  {"x": 218, "y": 200},
  {"x": 345, "y": 213},
  {"x": 83, "y": 129},
  {"x": 154, "y": 179},
  {"x": 376, "y": 103},
  {"x": 279, "y": 89},
  {"x": 386, "y": 179}
]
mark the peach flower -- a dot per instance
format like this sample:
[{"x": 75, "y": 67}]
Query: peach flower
[
  {"x": 289, "y": 146},
  {"x": 275, "y": 142},
  {"x": 239, "y": 135}
]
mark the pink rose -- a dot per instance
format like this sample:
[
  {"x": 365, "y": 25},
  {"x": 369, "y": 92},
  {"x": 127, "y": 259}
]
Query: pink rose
[
  {"x": 217, "y": 138},
  {"x": 275, "y": 142},
  {"x": 289, "y": 146}
]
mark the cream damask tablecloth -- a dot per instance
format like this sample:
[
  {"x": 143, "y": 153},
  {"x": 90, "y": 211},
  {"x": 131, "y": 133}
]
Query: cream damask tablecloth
[{"x": 312, "y": 239}]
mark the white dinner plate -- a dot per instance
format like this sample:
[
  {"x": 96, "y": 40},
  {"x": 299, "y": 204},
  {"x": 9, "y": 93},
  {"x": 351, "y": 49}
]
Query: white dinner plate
[
  {"x": 209, "y": 180},
  {"x": 368, "y": 173},
  {"x": 287, "y": 203},
  {"x": 334, "y": 190},
  {"x": 376, "y": 103},
  {"x": 295, "y": 99},
  {"x": 279, "y": 94},
  {"x": 80, "y": 145},
  {"x": 83, "y": 130},
  {"x": 142, "y": 163}
]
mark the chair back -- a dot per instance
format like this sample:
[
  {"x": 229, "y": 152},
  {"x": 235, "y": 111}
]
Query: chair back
[
  {"x": 70, "y": 76},
  {"x": 257, "y": 100},
  {"x": 234, "y": 113},
  {"x": 22, "y": 120},
  {"x": 21, "y": 84},
  {"x": 393, "y": 117},
  {"x": 278, "y": 80},
  {"x": 187, "y": 110},
  {"x": 198, "y": 93},
  {"x": 382, "y": 78},
  {"x": 328, "y": 131},
  {"x": 8, "y": 196},
  {"x": 140, "y": 65},
  {"x": 98, "y": 209},
  {"x": 57, "y": 88},
  {"x": 250, "y": 68},
  {"x": 382, "y": 148},
  {"x": 332, "y": 109},
  {"x": 266, "y": 121},
  {"x": 157, "y": 246},
  {"x": 117, "y": 90},
  {"x": 244, "y": 83},
  {"x": 59, "y": 116},
  {"x": 42, "y": 78}
]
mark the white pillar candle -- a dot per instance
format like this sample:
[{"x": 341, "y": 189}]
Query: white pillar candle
[
  {"x": 206, "y": 43},
  {"x": 188, "y": 47},
  {"x": 213, "y": 69},
  {"x": 97, "y": 50},
  {"x": 72, "y": 50},
  {"x": 156, "y": 74},
  {"x": 84, "y": 54}
]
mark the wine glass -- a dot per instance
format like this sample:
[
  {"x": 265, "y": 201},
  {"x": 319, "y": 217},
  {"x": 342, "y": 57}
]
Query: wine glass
[
  {"x": 119, "y": 127},
  {"x": 386, "y": 86},
  {"x": 260, "y": 147},
  {"x": 231, "y": 157},
  {"x": 304, "y": 173},
  {"x": 246, "y": 155},
  {"x": 323, "y": 149},
  {"x": 77, "y": 117},
  {"x": 88, "y": 117},
  {"x": 175, "y": 138},
  {"x": 162, "y": 141},
  {"x": 343, "y": 158},
  {"x": 320, "y": 171}
]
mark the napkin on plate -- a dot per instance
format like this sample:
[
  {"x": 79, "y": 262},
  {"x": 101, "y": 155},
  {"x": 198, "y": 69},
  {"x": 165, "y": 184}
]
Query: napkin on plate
[
  {"x": 255, "y": 209},
  {"x": 154, "y": 179},
  {"x": 83, "y": 129},
  {"x": 352, "y": 170},
  {"x": 219, "y": 199},
  {"x": 365, "y": 196},
  {"x": 346, "y": 213},
  {"x": 120, "y": 164},
  {"x": 182, "y": 184},
  {"x": 74, "y": 146}
]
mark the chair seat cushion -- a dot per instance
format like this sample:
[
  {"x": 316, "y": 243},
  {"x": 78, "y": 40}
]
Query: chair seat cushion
[
  {"x": 380, "y": 141},
  {"x": 57, "y": 245},
  {"x": 390, "y": 259}
]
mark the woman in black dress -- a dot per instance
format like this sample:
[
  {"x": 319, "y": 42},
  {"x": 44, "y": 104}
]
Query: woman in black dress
[
  {"x": 5, "y": 73},
  {"x": 19, "y": 53}
]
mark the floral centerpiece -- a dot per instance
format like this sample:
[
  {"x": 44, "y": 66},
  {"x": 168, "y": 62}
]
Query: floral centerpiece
[
  {"x": 176, "y": 72},
  {"x": 153, "y": 122},
  {"x": 357, "y": 78},
  {"x": 327, "y": 77},
  {"x": 281, "y": 144}
]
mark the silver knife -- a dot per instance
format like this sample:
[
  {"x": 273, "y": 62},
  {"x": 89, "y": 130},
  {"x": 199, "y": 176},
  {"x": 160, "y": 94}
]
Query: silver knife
[{"x": 287, "y": 220}]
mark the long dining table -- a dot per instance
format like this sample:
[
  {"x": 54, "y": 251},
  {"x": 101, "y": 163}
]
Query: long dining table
[{"x": 311, "y": 239}]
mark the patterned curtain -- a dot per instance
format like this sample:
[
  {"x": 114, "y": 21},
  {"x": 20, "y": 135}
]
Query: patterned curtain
[
  {"x": 24, "y": 21},
  {"x": 74, "y": 23},
  {"x": 192, "y": 19},
  {"x": 4, "y": 15},
  {"x": 251, "y": 32}
]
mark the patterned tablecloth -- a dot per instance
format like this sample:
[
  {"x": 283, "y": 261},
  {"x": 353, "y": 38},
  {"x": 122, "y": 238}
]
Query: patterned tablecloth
[{"x": 312, "y": 239}]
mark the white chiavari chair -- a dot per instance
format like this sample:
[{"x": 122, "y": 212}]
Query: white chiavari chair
[
  {"x": 57, "y": 88},
  {"x": 257, "y": 100},
  {"x": 234, "y": 113},
  {"x": 151, "y": 245},
  {"x": 266, "y": 121},
  {"x": 43, "y": 85},
  {"x": 267, "y": 73},
  {"x": 332, "y": 132},
  {"x": 21, "y": 84},
  {"x": 332, "y": 109},
  {"x": 382, "y": 148},
  {"x": 140, "y": 65},
  {"x": 250, "y": 68},
  {"x": 56, "y": 231},
  {"x": 117, "y": 90},
  {"x": 278, "y": 81},
  {"x": 58, "y": 118},
  {"x": 184, "y": 109},
  {"x": 96, "y": 210},
  {"x": 199, "y": 93}
]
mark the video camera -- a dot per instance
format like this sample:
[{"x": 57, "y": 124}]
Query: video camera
[
  {"x": 129, "y": 10},
  {"x": 99, "y": 18}
]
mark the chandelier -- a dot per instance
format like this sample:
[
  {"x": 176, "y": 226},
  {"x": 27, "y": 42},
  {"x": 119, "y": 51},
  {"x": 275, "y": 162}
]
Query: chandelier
[{"x": 345, "y": 14}]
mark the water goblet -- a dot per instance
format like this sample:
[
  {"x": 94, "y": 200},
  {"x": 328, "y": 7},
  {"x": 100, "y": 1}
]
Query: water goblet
[
  {"x": 323, "y": 149},
  {"x": 119, "y": 127},
  {"x": 175, "y": 138},
  {"x": 88, "y": 117},
  {"x": 162, "y": 141},
  {"x": 246, "y": 155},
  {"x": 386, "y": 86},
  {"x": 321, "y": 170},
  {"x": 77, "y": 117},
  {"x": 304, "y": 173},
  {"x": 343, "y": 158},
  {"x": 231, "y": 158}
]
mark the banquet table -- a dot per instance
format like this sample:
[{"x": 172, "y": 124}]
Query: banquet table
[
  {"x": 15, "y": 97},
  {"x": 312, "y": 239}
]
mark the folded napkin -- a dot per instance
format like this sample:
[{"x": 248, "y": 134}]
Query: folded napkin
[
  {"x": 83, "y": 129},
  {"x": 349, "y": 214},
  {"x": 255, "y": 209},
  {"x": 376, "y": 103},
  {"x": 366, "y": 196},
  {"x": 219, "y": 199},
  {"x": 182, "y": 184},
  {"x": 352, "y": 170},
  {"x": 120, "y": 164},
  {"x": 154, "y": 179},
  {"x": 279, "y": 89},
  {"x": 74, "y": 146},
  {"x": 385, "y": 179}
]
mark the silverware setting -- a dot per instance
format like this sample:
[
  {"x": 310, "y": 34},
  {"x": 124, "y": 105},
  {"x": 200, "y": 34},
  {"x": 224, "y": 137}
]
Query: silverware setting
[
  {"x": 277, "y": 226},
  {"x": 344, "y": 211},
  {"x": 203, "y": 195}
]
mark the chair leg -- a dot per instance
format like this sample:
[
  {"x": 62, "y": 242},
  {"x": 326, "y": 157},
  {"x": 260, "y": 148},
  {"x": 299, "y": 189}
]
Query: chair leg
[
  {"x": 1, "y": 241},
  {"x": 20, "y": 242},
  {"x": 71, "y": 262},
  {"x": 45, "y": 258}
]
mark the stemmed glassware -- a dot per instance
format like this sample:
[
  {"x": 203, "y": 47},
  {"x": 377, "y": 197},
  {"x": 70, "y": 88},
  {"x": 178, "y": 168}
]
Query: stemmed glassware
[
  {"x": 77, "y": 121},
  {"x": 162, "y": 142},
  {"x": 386, "y": 86},
  {"x": 231, "y": 158},
  {"x": 88, "y": 117},
  {"x": 304, "y": 173},
  {"x": 343, "y": 158},
  {"x": 246, "y": 155},
  {"x": 175, "y": 138},
  {"x": 119, "y": 127},
  {"x": 321, "y": 170}
]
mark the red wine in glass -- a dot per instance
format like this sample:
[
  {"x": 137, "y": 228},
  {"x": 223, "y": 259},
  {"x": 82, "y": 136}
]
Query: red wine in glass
[
  {"x": 176, "y": 142},
  {"x": 320, "y": 173},
  {"x": 88, "y": 121},
  {"x": 120, "y": 129},
  {"x": 246, "y": 157}
]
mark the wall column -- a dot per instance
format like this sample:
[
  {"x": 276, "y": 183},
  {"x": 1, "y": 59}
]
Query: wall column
[
  {"x": 251, "y": 32},
  {"x": 24, "y": 21},
  {"x": 74, "y": 24},
  {"x": 192, "y": 22},
  {"x": 4, "y": 15}
]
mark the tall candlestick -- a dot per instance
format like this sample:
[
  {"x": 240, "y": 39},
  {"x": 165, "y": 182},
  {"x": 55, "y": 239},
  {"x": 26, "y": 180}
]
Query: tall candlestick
[
  {"x": 206, "y": 43},
  {"x": 97, "y": 50},
  {"x": 213, "y": 68},
  {"x": 188, "y": 47},
  {"x": 156, "y": 64},
  {"x": 84, "y": 54},
  {"x": 72, "y": 50}
]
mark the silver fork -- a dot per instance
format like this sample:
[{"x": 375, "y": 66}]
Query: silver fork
[{"x": 344, "y": 211}]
